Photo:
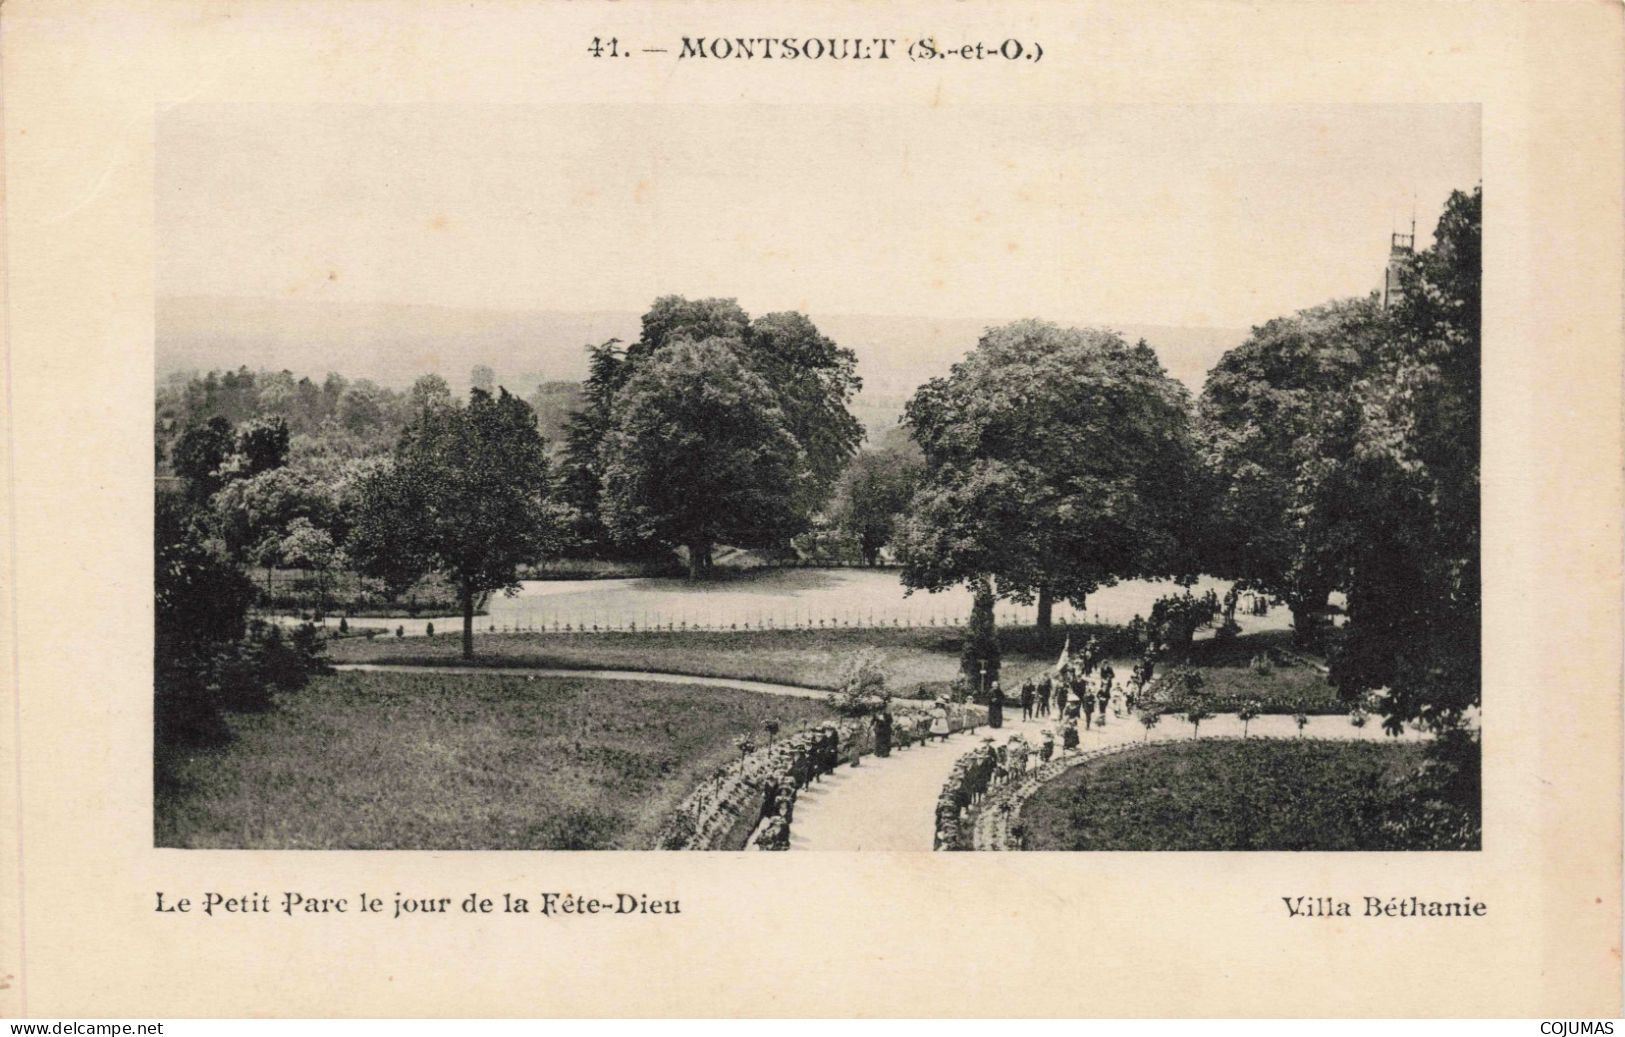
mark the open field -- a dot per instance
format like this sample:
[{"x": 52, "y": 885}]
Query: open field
[
  {"x": 403, "y": 761},
  {"x": 917, "y": 661},
  {"x": 768, "y": 599},
  {"x": 1229, "y": 794},
  {"x": 807, "y": 658}
]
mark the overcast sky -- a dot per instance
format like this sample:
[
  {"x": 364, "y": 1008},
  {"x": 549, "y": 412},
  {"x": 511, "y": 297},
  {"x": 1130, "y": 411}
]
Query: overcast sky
[{"x": 1201, "y": 216}]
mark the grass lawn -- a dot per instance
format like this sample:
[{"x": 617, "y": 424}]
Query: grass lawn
[
  {"x": 806, "y": 658},
  {"x": 402, "y": 761},
  {"x": 1228, "y": 794},
  {"x": 813, "y": 658},
  {"x": 1228, "y": 675}
]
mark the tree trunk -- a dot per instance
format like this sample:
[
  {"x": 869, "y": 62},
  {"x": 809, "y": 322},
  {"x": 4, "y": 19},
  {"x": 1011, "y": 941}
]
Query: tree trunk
[
  {"x": 871, "y": 551},
  {"x": 698, "y": 558},
  {"x": 467, "y": 594},
  {"x": 1307, "y": 613},
  {"x": 979, "y": 654},
  {"x": 1046, "y": 608}
]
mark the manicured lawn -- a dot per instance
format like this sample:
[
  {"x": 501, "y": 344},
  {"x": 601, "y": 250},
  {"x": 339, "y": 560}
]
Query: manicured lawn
[
  {"x": 807, "y": 658},
  {"x": 459, "y": 762},
  {"x": 813, "y": 658},
  {"x": 1228, "y": 675},
  {"x": 1238, "y": 795}
]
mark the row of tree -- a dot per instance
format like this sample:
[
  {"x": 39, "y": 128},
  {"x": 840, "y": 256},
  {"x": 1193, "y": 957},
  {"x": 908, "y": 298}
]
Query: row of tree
[
  {"x": 1335, "y": 450},
  {"x": 333, "y": 417}
]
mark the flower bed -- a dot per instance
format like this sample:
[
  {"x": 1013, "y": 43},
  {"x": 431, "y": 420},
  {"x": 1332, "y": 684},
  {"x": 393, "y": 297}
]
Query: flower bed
[{"x": 725, "y": 809}]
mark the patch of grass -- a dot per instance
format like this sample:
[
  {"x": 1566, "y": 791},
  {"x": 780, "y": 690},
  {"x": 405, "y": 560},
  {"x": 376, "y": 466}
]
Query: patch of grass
[
  {"x": 460, "y": 762},
  {"x": 1231, "y": 794},
  {"x": 805, "y": 658},
  {"x": 918, "y": 661},
  {"x": 1290, "y": 682}
]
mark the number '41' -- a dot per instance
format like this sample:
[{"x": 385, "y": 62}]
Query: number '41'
[{"x": 600, "y": 47}]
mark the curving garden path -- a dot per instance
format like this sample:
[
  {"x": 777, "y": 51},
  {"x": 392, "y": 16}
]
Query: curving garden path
[{"x": 889, "y": 804}]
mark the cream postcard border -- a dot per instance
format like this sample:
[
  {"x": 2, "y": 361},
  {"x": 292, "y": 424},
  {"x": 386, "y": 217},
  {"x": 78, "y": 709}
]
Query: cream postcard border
[{"x": 790, "y": 934}]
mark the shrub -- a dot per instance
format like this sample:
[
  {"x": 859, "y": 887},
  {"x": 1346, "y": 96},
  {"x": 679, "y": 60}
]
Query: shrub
[
  {"x": 429, "y": 630},
  {"x": 861, "y": 687},
  {"x": 1175, "y": 617},
  {"x": 1246, "y": 712},
  {"x": 1196, "y": 711},
  {"x": 1149, "y": 717}
]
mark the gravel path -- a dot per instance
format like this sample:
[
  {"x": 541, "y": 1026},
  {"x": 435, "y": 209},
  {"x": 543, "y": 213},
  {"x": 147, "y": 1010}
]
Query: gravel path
[{"x": 888, "y": 804}]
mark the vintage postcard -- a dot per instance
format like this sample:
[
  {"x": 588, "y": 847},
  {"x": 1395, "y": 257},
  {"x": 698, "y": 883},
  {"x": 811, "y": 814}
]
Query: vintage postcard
[{"x": 828, "y": 509}]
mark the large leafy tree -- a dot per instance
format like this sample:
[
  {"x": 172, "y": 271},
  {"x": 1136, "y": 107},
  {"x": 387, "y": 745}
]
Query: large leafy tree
[
  {"x": 815, "y": 381},
  {"x": 584, "y": 434},
  {"x": 467, "y": 495},
  {"x": 1057, "y": 461},
  {"x": 811, "y": 380},
  {"x": 673, "y": 318},
  {"x": 872, "y": 495},
  {"x": 699, "y": 454},
  {"x": 263, "y": 445},
  {"x": 1278, "y": 420},
  {"x": 203, "y": 446},
  {"x": 253, "y": 515},
  {"x": 1414, "y": 592}
]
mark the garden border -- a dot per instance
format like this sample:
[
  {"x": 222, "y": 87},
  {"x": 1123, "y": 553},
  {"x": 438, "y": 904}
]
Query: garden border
[
  {"x": 751, "y": 802},
  {"x": 990, "y": 822}
]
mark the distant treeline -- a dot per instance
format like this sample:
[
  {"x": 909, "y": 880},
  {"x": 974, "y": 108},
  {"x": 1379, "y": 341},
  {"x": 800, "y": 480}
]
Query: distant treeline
[{"x": 335, "y": 416}]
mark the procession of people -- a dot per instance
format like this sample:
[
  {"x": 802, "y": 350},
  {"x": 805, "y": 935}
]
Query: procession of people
[{"x": 1081, "y": 692}]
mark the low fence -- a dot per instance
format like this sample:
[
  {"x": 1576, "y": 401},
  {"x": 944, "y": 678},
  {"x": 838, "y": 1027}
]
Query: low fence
[
  {"x": 346, "y": 593},
  {"x": 647, "y": 621},
  {"x": 756, "y": 794}
]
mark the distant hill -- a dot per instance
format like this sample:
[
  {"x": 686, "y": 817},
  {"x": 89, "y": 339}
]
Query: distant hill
[{"x": 392, "y": 344}]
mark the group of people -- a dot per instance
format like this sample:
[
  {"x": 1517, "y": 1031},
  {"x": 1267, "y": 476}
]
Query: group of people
[{"x": 1083, "y": 688}]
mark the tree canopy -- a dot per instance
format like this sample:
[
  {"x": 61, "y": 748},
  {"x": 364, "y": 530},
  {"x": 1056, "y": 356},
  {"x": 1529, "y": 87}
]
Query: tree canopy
[
  {"x": 1278, "y": 419},
  {"x": 1413, "y": 580},
  {"x": 810, "y": 383},
  {"x": 699, "y": 453},
  {"x": 872, "y": 495},
  {"x": 1057, "y": 461},
  {"x": 467, "y": 495}
]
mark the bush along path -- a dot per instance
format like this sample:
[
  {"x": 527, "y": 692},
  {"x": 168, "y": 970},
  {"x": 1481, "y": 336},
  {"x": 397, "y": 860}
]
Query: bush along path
[{"x": 892, "y": 804}]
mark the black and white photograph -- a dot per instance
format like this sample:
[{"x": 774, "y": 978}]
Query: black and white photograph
[{"x": 613, "y": 477}]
